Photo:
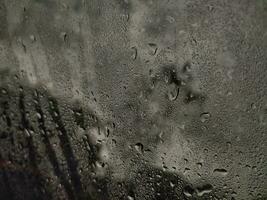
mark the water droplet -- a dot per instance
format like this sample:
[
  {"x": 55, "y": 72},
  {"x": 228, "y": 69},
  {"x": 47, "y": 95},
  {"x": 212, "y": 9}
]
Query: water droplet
[
  {"x": 24, "y": 47},
  {"x": 199, "y": 164},
  {"x": 134, "y": 53},
  {"x": 190, "y": 96},
  {"x": 3, "y": 91},
  {"x": 205, "y": 189},
  {"x": 64, "y": 35},
  {"x": 161, "y": 136},
  {"x": 113, "y": 142},
  {"x": 186, "y": 170},
  {"x": 170, "y": 19},
  {"x": 139, "y": 147},
  {"x": 221, "y": 172},
  {"x": 131, "y": 195},
  {"x": 153, "y": 49},
  {"x": 32, "y": 38},
  {"x": 210, "y": 7},
  {"x": 204, "y": 117},
  {"x": 188, "y": 191},
  {"x": 39, "y": 116},
  {"x": 186, "y": 67},
  {"x": 28, "y": 133},
  {"x": 253, "y": 106},
  {"x": 172, "y": 184},
  {"x": 173, "y": 92},
  {"x": 107, "y": 132},
  {"x": 99, "y": 165}
]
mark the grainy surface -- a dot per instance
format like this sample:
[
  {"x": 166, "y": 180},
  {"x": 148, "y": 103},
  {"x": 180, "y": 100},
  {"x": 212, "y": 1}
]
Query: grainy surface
[{"x": 133, "y": 99}]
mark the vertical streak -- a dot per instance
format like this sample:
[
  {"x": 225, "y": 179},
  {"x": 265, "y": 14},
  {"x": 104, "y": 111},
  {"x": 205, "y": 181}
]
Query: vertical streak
[
  {"x": 32, "y": 151},
  {"x": 66, "y": 148},
  {"x": 50, "y": 152}
]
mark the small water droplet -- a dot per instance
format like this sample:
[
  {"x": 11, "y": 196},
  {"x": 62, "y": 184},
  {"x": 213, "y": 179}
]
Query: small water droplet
[
  {"x": 173, "y": 92},
  {"x": 27, "y": 132},
  {"x": 39, "y": 116},
  {"x": 188, "y": 191},
  {"x": 186, "y": 170},
  {"x": 210, "y": 7},
  {"x": 161, "y": 136},
  {"x": 199, "y": 164},
  {"x": 170, "y": 19},
  {"x": 32, "y": 38},
  {"x": 205, "y": 116},
  {"x": 64, "y": 35},
  {"x": 99, "y": 165},
  {"x": 153, "y": 49},
  {"x": 172, "y": 184},
  {"x": 3, "y": 91},
  {"x": 134, "y": 53},
  {"x": 186, "y": 67},
  {"x": 107, "y": 132},
  {"x": 139, "y": 147},
  {"x": 221, "y": 172},
  {"x": 131, "y": 196},
  {"x": 205, "y": 189},
  {"x": 253, "y": 106}
]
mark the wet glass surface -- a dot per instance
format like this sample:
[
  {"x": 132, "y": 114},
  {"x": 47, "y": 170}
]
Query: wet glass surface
[{"x": 133, "y": 99}]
